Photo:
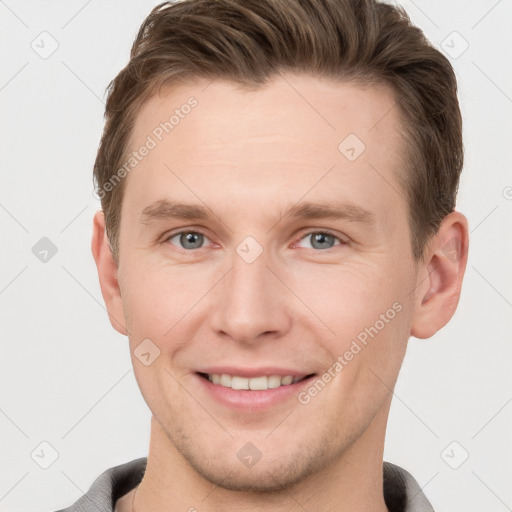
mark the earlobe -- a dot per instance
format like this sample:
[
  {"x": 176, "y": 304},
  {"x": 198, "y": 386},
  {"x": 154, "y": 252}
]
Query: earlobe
[
  {"x": 440, "y": 280},
  {"x": 107, "y": 273}
]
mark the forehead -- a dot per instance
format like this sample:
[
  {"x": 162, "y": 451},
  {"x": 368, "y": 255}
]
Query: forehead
[
  {"x": 295, "y": 135},
  {"x": 325, "y": 108}
]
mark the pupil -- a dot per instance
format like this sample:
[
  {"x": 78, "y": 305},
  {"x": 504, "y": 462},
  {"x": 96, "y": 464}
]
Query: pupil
[
  {"x": 192, "y": 238},
  {"x": 321, "y": 238}
]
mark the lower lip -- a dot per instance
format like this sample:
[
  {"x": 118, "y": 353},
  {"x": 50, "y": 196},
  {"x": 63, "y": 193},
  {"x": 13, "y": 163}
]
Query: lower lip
[{"x": 245, "y": 399}]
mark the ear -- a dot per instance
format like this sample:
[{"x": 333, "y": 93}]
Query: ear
[
  {"x": 107, "y": 273},
  {"x": 440, "y": 276}
]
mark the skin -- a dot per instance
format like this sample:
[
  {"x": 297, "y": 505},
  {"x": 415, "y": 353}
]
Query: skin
[{"x": 249, "y": 155}]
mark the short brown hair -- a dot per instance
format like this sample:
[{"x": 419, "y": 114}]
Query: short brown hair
[{"x": 251, "y": 41}]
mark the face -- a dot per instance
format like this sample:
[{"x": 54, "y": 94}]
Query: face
[{"x": 254, "y": 278}]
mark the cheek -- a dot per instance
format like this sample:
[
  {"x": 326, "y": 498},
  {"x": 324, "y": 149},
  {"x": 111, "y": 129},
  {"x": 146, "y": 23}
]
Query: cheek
[
  {"x": 366, "y": 313},
  {"x": 347, "y": 297},
  {"x": 162, "y": 305},
  {"x": 155, "y": 299}
]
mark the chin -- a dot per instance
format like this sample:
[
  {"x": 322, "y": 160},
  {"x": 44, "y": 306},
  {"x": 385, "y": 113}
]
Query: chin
[{"x": 275, "y": 470}]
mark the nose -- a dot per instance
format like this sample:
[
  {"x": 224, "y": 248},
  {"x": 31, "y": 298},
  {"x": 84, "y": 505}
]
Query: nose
[{"x": 251, "y": 303}]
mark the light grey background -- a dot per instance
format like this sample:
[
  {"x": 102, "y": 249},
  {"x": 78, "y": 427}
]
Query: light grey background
[{"x": 66, "y": 376}]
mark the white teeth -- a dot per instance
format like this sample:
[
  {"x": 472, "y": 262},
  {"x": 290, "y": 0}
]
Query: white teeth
[
  {"x": 254, "y": 383},
  {"x": 239, "y": 383},
  {"x": 258, "y": 383},
  {"x": 225, "y": 380},
  {"x": 274, "y": 381}
]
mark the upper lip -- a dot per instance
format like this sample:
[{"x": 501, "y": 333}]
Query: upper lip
[{"x": 253, "y": 372}]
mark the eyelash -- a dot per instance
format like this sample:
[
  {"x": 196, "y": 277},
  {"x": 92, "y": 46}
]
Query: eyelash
[{"x": 309, "y": 233}]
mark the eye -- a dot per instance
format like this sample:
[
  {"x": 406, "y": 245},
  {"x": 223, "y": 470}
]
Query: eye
[
  {"x": 188, "y": 239},
  {"x": 322, "y": 240}
]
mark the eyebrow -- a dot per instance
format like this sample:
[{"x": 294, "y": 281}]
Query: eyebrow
[{"x": 166, "y": 209}]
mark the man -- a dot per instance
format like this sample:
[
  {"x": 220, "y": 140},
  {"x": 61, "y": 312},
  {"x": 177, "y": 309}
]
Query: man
[{"x": 278, "y": 183}]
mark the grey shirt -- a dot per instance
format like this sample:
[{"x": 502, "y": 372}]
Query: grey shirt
[{"x": 401, "y": 491}]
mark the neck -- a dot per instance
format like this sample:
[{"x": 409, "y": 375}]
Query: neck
[{"x": 353, "y": 482}]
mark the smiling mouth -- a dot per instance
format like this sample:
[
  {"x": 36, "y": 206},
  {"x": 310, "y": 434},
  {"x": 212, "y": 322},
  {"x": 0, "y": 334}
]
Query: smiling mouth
[{"x": 261, "y": 383}]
